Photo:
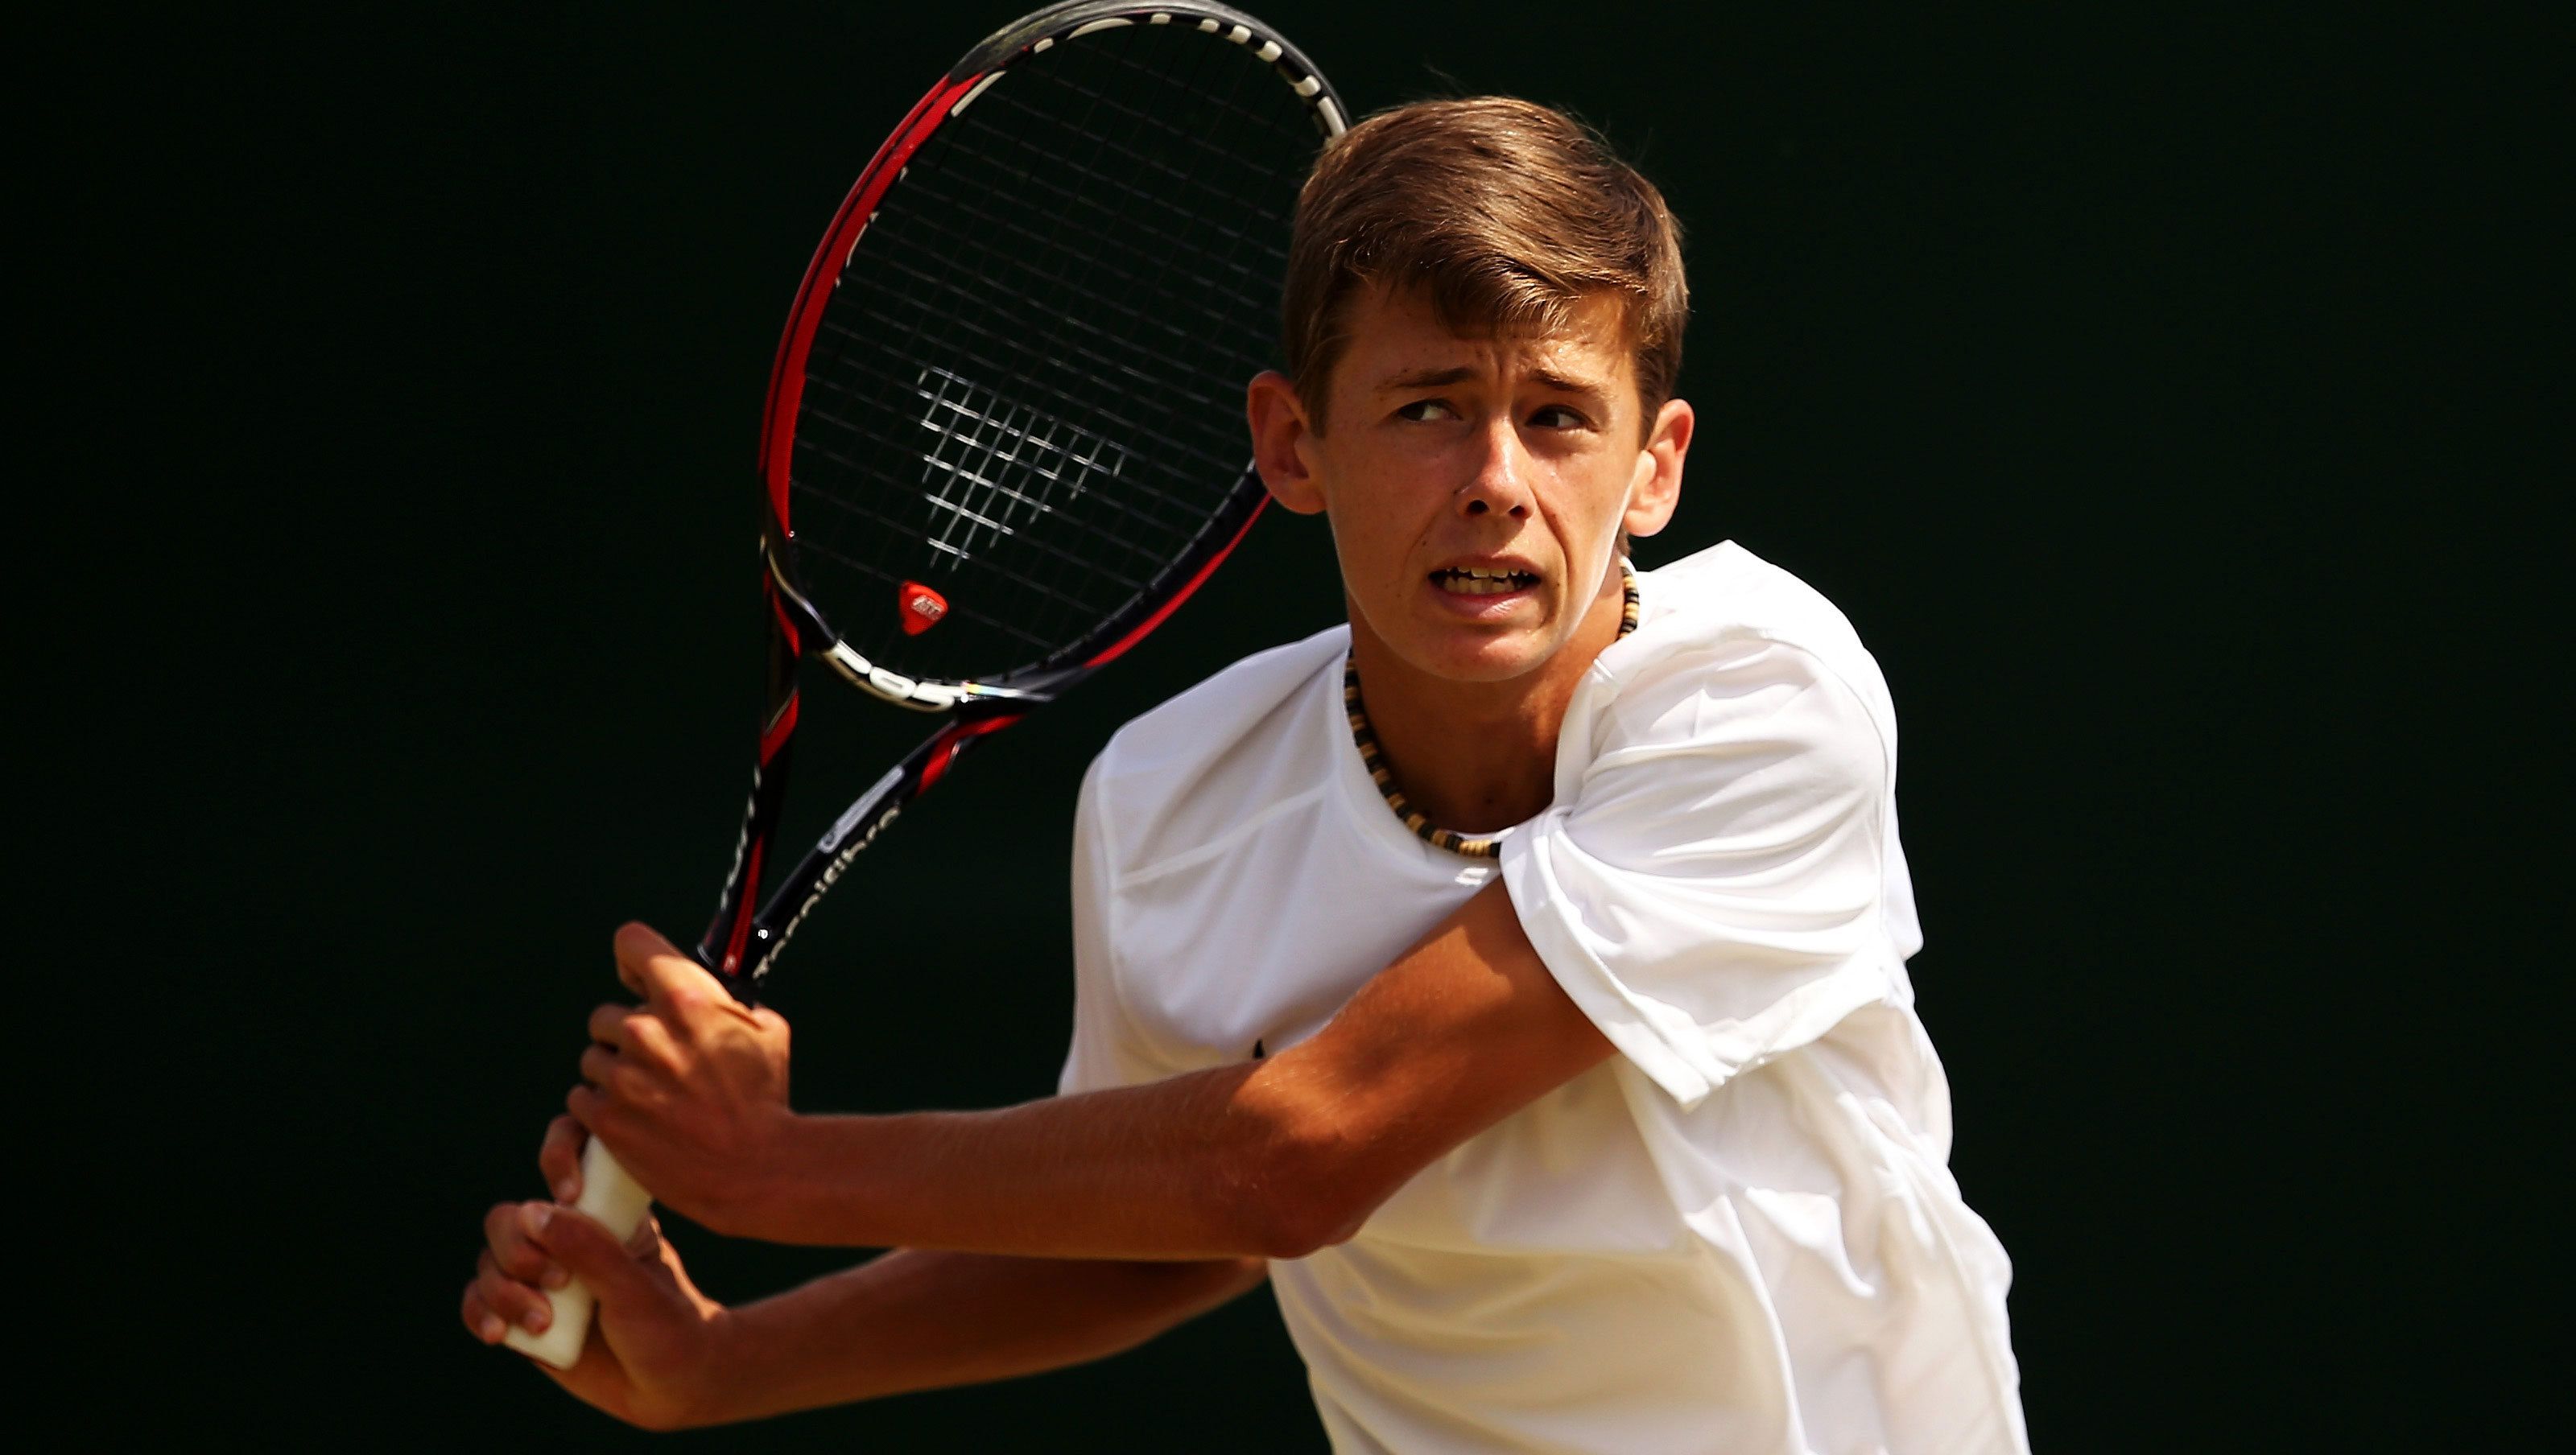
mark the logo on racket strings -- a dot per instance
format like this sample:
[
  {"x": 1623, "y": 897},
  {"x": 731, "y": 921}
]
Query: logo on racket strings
[{"x": 919, "y": 607}]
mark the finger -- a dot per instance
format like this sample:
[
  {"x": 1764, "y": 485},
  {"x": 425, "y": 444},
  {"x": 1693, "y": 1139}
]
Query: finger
[
  {"x": 512, "y": 1245},
  {"x": 505, "y": 1237},
  {"x": 608, "y": 1024},
  {"x": 549, "y": 1273},
  {"x": 598, "y": 1064},
  {"x": 559, "y": 1158},
  {"x": 509, "y": 1299},
  {"x": 654, "y": 968},
  {"x": 586, "y": 1106},
  {"x": 649, "y": 1039},
  {"x": 481, "y": 1322},
  {"x": 597, "y": 1258},
  {"x": 625, "y": 1031}
]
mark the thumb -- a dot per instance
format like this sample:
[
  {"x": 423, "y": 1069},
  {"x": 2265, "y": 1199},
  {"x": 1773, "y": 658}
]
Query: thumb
[{"x": 584, "y": 1245}]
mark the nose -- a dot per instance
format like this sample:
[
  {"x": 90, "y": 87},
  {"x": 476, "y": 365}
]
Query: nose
[{"x": 1499, "y": 481}]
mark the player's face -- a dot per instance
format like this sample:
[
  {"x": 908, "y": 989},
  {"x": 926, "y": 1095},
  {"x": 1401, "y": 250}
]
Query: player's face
[{"x": 1476, "y": 486}]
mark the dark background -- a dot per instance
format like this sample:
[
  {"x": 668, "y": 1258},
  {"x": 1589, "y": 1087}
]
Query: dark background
[{"x": 2157, "y": 389}]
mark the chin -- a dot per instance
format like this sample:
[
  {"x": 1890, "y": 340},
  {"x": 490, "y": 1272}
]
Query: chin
[{"x": 1500, "y": 657}]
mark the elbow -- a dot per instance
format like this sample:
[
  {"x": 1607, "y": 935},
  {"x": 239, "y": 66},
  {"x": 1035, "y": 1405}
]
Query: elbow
[
  {"x": 1301, "y": 1199},
  {"x": 1295, "y": 1226},
  {"x": 662, "y": 1418}
]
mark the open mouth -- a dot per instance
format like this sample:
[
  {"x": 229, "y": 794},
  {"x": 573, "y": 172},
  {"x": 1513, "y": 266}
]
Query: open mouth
[{"x": 1482, "y": 581}]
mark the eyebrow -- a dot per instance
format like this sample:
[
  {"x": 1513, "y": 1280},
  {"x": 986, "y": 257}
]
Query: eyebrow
[
  {"x": 1440, "y": 378},
  {"x": 1426, "y": 378}
]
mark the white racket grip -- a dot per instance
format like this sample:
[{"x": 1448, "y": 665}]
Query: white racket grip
[{"x": 619, "y": 1201}]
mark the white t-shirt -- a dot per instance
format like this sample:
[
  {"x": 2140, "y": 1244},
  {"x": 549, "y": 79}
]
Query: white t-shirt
[{"x": 1739, "y": 1234}]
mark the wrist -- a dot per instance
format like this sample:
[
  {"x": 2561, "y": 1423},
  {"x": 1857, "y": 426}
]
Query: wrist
[
  {"x": 803, "y": 1192},
  {"x": 765, "y": 1199},
  {"x": 719, "y": 1391}
]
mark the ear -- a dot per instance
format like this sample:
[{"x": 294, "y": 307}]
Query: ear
[
  {"x": 1281, "y": 440},
  {"x": 1657, "y": 486}
]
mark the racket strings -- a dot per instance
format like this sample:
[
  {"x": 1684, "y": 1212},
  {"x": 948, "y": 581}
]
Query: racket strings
[
  {"x": 999, "y": 437},
  {"x": 1089, "y": 565},
  {"x": 1140, "y": 559},
  {"x": 1180, "y": 181},
  {"x": 1296, "y": 127},
  {"x": 1284, "y": 130},
  {"x": 1132, "y": 516},
  {"x": 1127, "y": 501},
  {"x": 1199, "y": 298},
  {"x": 857, "y": 421},
  {"x": 1116, "y": 196},
  {"x": 1028, "y": 394},
  {"x": 881, "y": 520},
  {"x": 1176, "y": 251},
  {"x": 1140, "y": 322}
]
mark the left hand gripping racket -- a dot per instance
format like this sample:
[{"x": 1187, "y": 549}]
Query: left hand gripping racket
[{"x": 1004, "y": 433}]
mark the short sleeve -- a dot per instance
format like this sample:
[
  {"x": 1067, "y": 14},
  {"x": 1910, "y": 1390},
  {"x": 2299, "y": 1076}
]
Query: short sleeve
[
  {"x": 1709, "y": 890},
  {"x": 1103, "y": 1053}
]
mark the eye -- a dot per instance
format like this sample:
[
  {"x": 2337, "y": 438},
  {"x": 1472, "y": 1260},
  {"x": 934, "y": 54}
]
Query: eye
[
  {"x": 1559, "y": 416},
  {"x": 1426, "y": 411}
]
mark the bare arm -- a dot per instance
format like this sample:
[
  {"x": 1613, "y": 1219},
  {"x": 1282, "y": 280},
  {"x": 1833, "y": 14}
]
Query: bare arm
[
  {"x": 1273, "y": 1159},
  {"x": 1073, "y": 1228},
  {"x": 923, "y": 1320},
  {"x": 664, "y": 1356}
]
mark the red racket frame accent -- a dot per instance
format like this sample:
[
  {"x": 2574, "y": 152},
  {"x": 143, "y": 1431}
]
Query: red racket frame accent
[
  {"x": 740, "y": 935},
  {"x": 780, "y": 729},
  {"x": 787, "y": 373},
  {"x": 952, "y": 741},
  {"x": 1183, "y": 592}
]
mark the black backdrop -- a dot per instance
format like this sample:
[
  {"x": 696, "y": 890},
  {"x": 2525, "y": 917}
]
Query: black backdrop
[{"x": 2153, "y": 389}]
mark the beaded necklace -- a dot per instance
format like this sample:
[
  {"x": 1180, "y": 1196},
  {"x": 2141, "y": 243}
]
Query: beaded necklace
[{"x": 1483, "y": 846}]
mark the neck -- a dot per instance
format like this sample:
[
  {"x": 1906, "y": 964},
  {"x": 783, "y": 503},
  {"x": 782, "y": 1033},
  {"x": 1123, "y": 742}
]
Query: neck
[{"x": 1478, "y": 756}]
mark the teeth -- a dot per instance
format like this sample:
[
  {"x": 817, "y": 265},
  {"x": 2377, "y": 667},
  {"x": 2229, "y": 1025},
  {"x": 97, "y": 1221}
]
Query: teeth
[{"x": 1483, "y": 581}]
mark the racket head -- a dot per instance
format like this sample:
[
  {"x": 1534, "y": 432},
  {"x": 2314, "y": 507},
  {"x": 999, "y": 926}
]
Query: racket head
[{"x": 1004, "y": 432}]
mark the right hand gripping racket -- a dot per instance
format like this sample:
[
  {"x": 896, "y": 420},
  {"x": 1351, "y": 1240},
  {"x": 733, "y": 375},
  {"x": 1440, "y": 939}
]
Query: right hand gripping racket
[{"x": 1004, "y": 436}]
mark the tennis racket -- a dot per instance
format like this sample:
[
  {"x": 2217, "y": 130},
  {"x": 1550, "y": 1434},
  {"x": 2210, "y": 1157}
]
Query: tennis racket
[{"x": 1004, "y": 436}]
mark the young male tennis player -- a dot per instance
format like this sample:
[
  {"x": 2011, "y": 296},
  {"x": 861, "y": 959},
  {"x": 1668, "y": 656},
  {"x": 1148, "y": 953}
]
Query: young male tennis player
[{"x": 1515, "y": 977}]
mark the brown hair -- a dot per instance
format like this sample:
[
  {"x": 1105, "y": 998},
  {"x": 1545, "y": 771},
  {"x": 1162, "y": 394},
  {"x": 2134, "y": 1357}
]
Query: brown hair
[{"x": 1504, "y": 212}]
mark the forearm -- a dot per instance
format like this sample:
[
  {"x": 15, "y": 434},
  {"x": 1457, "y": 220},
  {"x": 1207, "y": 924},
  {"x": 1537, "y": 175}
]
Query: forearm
[
  {"x": 1179, "y": 1169},
  {"x": 916, "y": 1320}
]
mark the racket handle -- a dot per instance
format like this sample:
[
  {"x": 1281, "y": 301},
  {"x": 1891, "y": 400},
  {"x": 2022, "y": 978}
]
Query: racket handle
[{"x": 615, "y": 1199}]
